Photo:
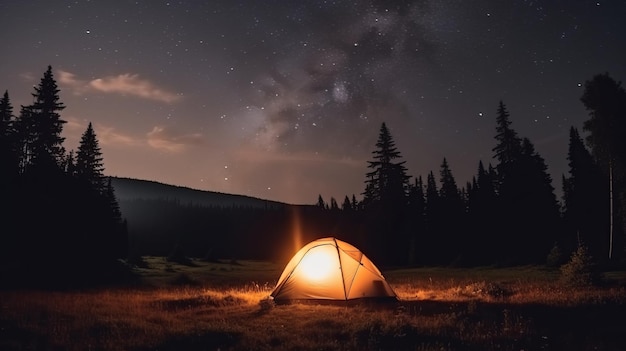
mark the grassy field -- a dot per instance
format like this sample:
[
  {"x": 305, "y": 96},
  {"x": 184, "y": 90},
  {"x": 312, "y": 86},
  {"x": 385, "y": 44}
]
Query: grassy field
[{"x": 223, "y": 306}]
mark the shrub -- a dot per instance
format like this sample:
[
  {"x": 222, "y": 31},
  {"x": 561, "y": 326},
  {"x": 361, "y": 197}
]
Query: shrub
[
  {"x": 580, "y": 270},
  {"x": 556, "y": 257}
]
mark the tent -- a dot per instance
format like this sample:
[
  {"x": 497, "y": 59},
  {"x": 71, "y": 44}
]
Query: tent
[{"x": 330, "y": 269}]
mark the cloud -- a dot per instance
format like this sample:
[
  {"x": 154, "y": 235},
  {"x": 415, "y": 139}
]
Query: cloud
[
  {"x": 68, "y": 79},
  {"x": 27, "y": 76},
  {"x": 169, "y": 140},
  {"x": 124, "y": 84},
  {"x": 106, "y": 135},
  {"x": 111, "y": 136},
  {"x": 131, "y": 84}
]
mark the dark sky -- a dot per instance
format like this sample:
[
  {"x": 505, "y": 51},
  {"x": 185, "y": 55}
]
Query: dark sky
[{"x": 283, "y": 100}]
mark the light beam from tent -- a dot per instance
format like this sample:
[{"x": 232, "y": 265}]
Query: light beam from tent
[{"x": 296, "y": 229}]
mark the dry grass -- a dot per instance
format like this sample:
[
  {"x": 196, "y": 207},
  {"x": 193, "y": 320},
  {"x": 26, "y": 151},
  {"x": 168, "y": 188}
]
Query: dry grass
[{"x": 211, "y": 306}]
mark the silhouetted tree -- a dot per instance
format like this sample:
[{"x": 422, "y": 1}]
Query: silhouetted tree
[
  {"x": 385, "y": 201},
  {"x": 452, "y": 211},
  {"x": 333, "y": 204},
  {"x": 507, "y": 150},
  {"x": 527, "y": 208},
  {"x": 8, "y": 173},
  {"x": 320, "y": 203},
  {"x": 8, "y": 152},
  {"x": 605, "y": 99},
  {"x": 6, "y": 115},
  {"x": 63, "y": 224},
  {"x": 70, "y": 164},
  {"x": 42, "y": 125},
  {"x": 355, "y": 204},
  {"x": 346, "y": 205},
  {"x": 483, "y": 212},
  {"x": 89, "y": 167},
  {"x": 585, "y": 196},
  {"x": 387, "y": 183},
  {"x": 539, "y": 204},
  {"x": 433, "y": 217},
  {"x": 417, "y": 208}
]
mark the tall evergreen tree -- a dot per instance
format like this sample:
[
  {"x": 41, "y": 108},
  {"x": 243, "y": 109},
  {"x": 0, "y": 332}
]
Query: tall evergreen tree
[
  {"x": 433, "y": 220},
  {"x": 417, "y": 208},
  {"x": 43, "y": 126},
  {"x": 346, "y": 205},
  {"x": 508, "y": 145},
  {"x": 118, "y": 226},
  {"x": 449, "y": 190},
  {"x": 6, "y": 115},
  {"x": 320, "y": 202},
  {"x": 605, "y": 99},
  {"x": 483, "y": 216},
  {"x": 585, "y": 196},
  {"x": 385, "y": 200},
  {"x": 355, "y": 204},
  {"x": 89, "y": 167},
  {"x": 452, "y": 214},
  {"x": 334, "y": 206},
  {"x": 539, "y": 202},
  {"x": 527, "y": 207},
  {"x": 8, "y": 151},
  {"x": 387, "y": 182}
]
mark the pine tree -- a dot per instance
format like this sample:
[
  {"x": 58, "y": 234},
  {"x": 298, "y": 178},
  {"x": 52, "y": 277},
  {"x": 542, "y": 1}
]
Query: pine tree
[
  {"x": 388, "y": 182},
  {"x": 433, "y": 218},
  {"x": 355, "y": 204},
  {"x": 605, "y": 99},
  {"x": 89, "y": 167},
  {"x": 320, "y": 203},
  {"x": 432, "y": 197},
  {"x": 8, "y": 151},
  {"x": 449, "y": 190},
  {"x": 508, "y": 148},
  {"x": 452, "y": 208},
  {"x": 334, "y": 206},
  {"x": 6, "y": 115},
  {"x": 385, "y": 201},
  {"x": 346, "y": 205},
  {"x": 417, "y": 208},
  {"x": 119, "y": 228},
  {"x": 585, "y": 196},
  {"x": 483, "y": 213},
  {"x": 44, "y": 125},
  {"x": 539, "y": 202},
  {"x": 527, "y": 209},
  {"x": 70, "y": 164}
]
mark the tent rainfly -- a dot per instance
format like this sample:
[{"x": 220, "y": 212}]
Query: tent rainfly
[{"x": 330, "y": 269}]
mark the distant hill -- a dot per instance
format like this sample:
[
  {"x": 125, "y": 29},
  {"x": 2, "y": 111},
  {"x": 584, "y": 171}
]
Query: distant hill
[
  {"x": 128, "y": 189},
  {"x": 162, "y": 219}
]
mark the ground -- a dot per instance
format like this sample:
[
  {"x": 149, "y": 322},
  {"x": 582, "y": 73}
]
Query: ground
[{"x": 202, "y": 305}]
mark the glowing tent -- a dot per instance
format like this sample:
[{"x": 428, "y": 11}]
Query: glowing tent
[{"x": 330, "y": 269}]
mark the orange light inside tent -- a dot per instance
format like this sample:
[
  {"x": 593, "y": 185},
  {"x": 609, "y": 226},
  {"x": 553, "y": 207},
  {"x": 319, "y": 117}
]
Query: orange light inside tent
[{"x": 318, "y": 264}]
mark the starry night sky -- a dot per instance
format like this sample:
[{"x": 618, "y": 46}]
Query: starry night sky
[{"x": 283, "y": 100}]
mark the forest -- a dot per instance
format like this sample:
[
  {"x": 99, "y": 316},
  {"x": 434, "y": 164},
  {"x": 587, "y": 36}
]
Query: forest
[{"x": 61, "y": 211}]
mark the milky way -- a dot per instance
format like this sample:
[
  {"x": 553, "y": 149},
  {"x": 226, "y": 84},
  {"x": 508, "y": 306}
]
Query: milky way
[{"x": 283, "y": 100}]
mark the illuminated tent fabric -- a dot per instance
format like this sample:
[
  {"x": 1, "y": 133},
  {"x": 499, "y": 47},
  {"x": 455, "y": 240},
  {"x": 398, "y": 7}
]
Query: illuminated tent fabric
[{"x": 330, "y": 269}]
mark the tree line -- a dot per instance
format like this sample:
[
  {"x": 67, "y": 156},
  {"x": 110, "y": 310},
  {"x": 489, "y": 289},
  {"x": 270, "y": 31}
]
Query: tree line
[
  {"x": 61, "y": 213},
  {"x": 508, "y": 213},
  {"x": 61, "y": 220}
]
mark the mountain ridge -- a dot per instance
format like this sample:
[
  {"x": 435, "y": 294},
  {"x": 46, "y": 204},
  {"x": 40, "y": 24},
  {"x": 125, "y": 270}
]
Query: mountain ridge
[{"x": 127, "y": 189}]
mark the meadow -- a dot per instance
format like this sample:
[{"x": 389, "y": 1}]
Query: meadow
[{"x": 223, "y": 306}]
